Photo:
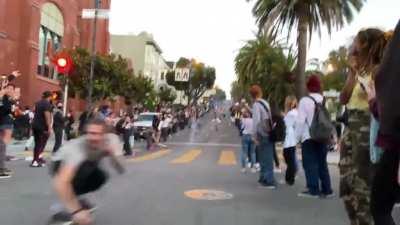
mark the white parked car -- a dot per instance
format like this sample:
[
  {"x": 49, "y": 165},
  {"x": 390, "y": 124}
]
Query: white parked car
[{"x": 144, "y": 124}]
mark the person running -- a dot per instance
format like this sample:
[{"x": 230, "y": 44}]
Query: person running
[
  {"x": 314, "y": 153},
  {"x": 261, "y": 118},
  {"x": 42, "y": 128},
  {"x": 289, "y": 145},
  {"x": 76, "y": 171},
  {"x": 248, "y": 146}
]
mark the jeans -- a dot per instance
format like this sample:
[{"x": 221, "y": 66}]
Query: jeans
[
  {"x": 248, "y": 149},
  {"x": 290, "y": 158},
  {"x": 58, "y": 134},
  {"x": 276, "y": 159},
  {"x": 127, "y": 145},
  {"x": 266, "y": 160},
  {"x": 385, "y": 188},
  {"x": 3, "y": 156},
  {"x": 315, "y": 166},
  {"x": 40, "y": 137}
]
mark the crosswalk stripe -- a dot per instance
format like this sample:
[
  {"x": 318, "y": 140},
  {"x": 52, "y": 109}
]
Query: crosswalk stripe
[
  {"x": 187, "y": 157},
  {"x": 151, "y": 156},
  {"x": 227, "y": 158}
]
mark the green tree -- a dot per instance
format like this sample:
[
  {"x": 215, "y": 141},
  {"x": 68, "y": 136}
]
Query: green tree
[
  {"x": 264, "y": 62},
  {"x": 338, "y": 66},
  {"x": 202, "y": 78},
  {"x": 239, "y": 91},
  {"x": 112, "y": 78},
  {"x": 306, "y": 16},
  {"x": 220, "y": 94},
  {"x": 167, "y": 94}
]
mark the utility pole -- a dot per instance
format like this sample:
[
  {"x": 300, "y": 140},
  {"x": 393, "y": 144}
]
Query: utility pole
[{"x": 93, "y": 55}]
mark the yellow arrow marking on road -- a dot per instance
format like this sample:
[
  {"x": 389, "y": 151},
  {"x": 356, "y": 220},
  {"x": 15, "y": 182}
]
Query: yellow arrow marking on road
[
  {"x": 187, "y": 157},
  {"x": 151, "y": 156},
  {"x": 227, "y": 158}
]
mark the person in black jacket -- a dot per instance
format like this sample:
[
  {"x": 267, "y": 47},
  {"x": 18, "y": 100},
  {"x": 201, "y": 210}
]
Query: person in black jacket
[{"x": 58, "y": 126}]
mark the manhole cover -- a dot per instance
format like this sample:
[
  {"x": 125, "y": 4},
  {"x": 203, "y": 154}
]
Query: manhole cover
[{"x": 205, "y": 194}]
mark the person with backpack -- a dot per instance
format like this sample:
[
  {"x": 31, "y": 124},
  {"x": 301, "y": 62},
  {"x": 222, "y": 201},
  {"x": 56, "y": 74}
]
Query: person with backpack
[
  {"x": 314, "y": 129},
  {"x": 289, "y": 145},
  {"x": 262, "y": 137}
]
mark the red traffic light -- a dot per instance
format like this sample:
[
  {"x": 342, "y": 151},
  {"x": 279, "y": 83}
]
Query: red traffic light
[{"x": 63, "y": 63}]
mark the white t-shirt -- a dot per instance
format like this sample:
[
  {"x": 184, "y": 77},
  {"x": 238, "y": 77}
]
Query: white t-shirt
[
  {"x": 306, "y": 115},
  {"x": 290, "y": 119},
  {"x": 75, "y": 152},
  {"x": 247, "y": 126}
]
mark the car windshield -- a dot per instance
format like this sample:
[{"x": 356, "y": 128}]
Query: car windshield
[{"x": 145, "y": 117}]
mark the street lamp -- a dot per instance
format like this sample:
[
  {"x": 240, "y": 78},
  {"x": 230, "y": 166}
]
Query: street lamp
[{"x": 93, "y": 53}]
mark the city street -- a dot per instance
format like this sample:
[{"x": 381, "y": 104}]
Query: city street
[{"x": 152, "y": 190}]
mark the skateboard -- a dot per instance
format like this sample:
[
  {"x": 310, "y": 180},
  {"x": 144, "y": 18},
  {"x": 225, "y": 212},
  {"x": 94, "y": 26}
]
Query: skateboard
[{"x": 55, "y": 221}]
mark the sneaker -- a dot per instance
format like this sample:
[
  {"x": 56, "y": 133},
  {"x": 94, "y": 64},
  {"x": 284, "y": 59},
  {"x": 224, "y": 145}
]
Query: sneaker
[
  {"x": 268, "y": 186},
  {"x": 87, "y": 205},
  {"x": 253, "y": 170},
  {"x": 6, "y": 170},
  {"x": 4, "y": 175},
  {"x": 243, "y": 170},
  {"x": 36, "y": 164},
  {"x": 307, "y": 194},
  {"x": 62, "y": 217},
  {"x": 249, "y": 165},
  {"x": 328, "y": 196}
]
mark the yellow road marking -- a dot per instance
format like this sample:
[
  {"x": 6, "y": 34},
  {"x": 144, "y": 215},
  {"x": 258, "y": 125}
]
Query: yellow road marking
[
  {"x": 187, "y": 157},
  {"x": 151, "y": 156},
  {"x": 227, "y": 158}
]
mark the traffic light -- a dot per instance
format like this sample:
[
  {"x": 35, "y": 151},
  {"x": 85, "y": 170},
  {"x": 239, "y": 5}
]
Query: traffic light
[
  {"x": 56, "y": 96},
  {"x": 63, "y": 62}
]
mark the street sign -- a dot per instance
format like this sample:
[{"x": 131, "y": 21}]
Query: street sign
[
  {"x": 182, "y": 75},
  {"x": 90, "y": 13}
]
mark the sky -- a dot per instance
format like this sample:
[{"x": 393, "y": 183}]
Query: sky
[{"x": 212, "y": 31}]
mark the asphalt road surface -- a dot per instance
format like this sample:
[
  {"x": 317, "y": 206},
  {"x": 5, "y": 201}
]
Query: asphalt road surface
[{"x": 152, "y": 191}]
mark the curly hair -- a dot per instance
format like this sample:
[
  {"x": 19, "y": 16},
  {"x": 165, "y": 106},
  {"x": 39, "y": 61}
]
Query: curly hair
[{"x": 372, "y": 48}]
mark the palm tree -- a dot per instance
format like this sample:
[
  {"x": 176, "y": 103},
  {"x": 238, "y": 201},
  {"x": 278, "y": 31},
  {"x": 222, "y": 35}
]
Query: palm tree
[
  {"x": 263, "y": 61},
  {"x": 307, "y": 16}
]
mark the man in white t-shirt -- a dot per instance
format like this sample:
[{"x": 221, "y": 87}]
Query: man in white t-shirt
[
  {"x": 77, "y": 171},
  {"x": 314, "y": 154}
]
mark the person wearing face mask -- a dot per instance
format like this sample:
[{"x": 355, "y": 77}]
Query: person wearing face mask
[{"x": 58, "y": 126}]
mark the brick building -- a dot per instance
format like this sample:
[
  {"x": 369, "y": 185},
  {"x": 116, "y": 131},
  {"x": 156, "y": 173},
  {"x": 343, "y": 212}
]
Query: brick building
[{"x": 30, "y": 29}]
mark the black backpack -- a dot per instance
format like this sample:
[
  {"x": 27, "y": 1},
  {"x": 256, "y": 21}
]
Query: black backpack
[
  {"x": 321, "y": 127},
  {"x": 280, "y": 128}
]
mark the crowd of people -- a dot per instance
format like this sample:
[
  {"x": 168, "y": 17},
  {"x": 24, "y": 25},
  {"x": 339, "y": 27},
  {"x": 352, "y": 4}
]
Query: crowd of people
[
  {"x": 369, "y": 145},
  {"x": 36, "y": 124}
]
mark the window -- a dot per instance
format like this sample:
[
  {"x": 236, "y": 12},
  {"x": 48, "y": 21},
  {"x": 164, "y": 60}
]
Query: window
[{"x": 51, "y": 32}]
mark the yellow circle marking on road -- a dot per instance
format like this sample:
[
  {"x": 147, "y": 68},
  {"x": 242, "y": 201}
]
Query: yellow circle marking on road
[{"x": 206, "y": 194}]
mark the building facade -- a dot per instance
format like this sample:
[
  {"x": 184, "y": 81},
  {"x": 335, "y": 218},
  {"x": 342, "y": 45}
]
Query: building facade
[
  {"x": 31, "y": 31},
  {"x": 145, "y": 55}
]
